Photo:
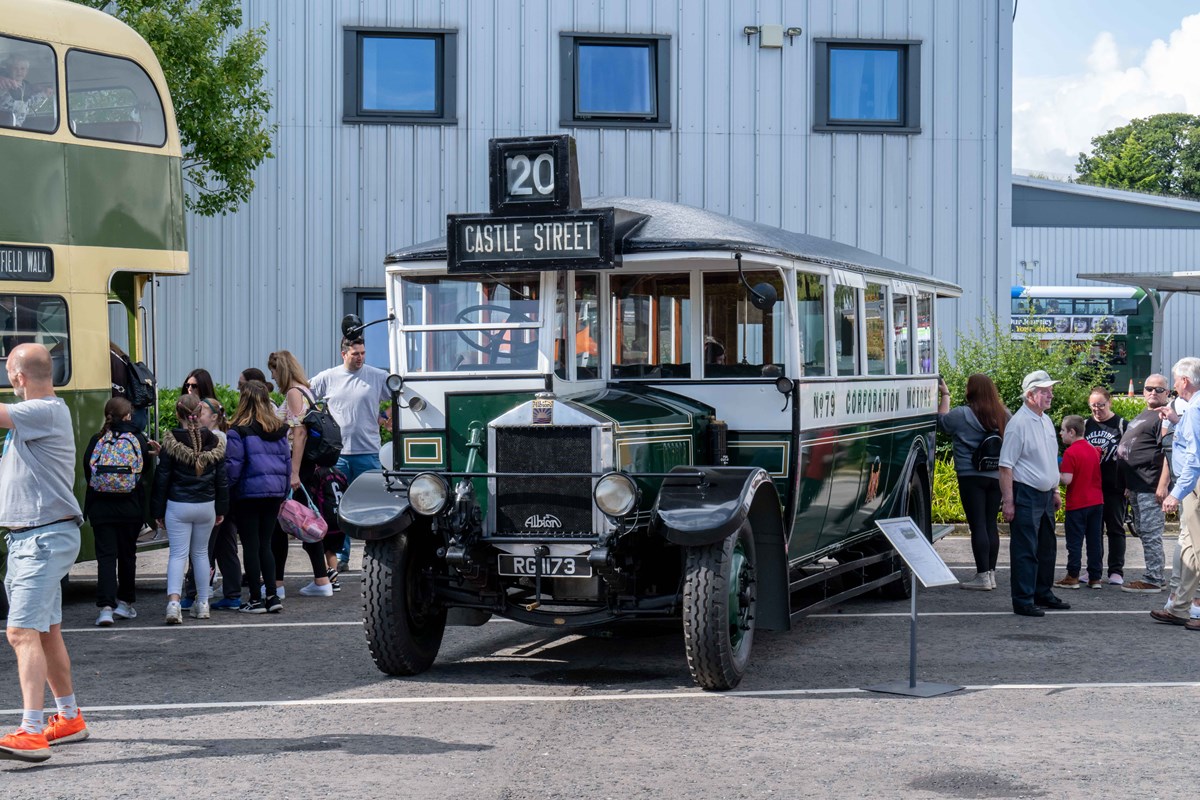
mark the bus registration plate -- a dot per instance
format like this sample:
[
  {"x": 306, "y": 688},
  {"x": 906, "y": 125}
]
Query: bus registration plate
[{"x": 552, "y": 566}]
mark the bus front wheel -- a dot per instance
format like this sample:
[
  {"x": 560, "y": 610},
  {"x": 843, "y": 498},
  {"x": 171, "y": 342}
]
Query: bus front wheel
[
  {"x": 404, "y": 623},
  {"x": 719, "y": 599}
]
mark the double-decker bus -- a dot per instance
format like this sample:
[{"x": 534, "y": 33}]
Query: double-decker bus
[
  {"x": 627, "y": 409},
  {"x": 1118, "y": 320},
  {"x": 91, "y": 204}
]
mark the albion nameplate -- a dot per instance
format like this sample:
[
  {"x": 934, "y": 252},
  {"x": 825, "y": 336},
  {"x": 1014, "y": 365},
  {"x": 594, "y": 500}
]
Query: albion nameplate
[
  {"x": 577, "y": 240},
  {"x": 26, "y": 263}
]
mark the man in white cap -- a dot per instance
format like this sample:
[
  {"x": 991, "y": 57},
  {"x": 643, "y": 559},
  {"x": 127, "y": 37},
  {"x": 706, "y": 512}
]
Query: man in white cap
[{"x": 1029, "y": 497}]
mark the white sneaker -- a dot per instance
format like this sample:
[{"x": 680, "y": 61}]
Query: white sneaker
[
  {"x": 200, "y": 609},
  {"x": 314, "y": 590},
  {"x": 105, "y": 617},
  {"x": 124, "y": 610},
  {"x": 280, "y": 592},
  {"x": 1115, "y": 579},
  {"x": 174, "y": 614},
  {"x": 980, "y": 583},
  {"x": 992, "y": 578}
]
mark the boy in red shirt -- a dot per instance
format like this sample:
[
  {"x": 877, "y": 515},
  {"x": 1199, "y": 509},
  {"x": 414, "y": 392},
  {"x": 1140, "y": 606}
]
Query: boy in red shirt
[{"x": 1080, "y": 473}]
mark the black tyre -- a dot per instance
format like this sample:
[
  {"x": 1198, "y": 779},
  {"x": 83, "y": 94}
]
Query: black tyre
[
  {"x": 917, "y": 507},
  {"x": 403, "y": 621},
  {"x": 719, "y": 598}
]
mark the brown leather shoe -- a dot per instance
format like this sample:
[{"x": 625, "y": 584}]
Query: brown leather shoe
[
  {"x": 1192, "y": 624},
  {"x": 1162, "y": 615}
]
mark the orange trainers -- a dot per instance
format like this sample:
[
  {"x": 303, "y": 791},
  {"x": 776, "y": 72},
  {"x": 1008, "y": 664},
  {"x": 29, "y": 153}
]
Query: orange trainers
[
  {"x": 24, "y": 746},
  {"x": 61, "y": 731}
]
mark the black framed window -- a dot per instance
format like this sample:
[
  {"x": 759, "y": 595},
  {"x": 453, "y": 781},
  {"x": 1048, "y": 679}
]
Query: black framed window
[
  {"x": 29, "y": 101},
  {"x": 370, "y": 304},
  {"x": 400, "y": 75},
  {"x": 615, "y": 81},
  {"x": 867, "y": 86},
  {"x": 113, "y": 99}
]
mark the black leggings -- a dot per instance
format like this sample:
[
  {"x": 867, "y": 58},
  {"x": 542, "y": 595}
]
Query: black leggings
[
  {"x": 255, "y": 519},
  {"x": 116, "y": 561},
  {"x": 315, "y": 551},
  {"x": 981, "y": 503},
  {"x": 1114, "y": 527}
]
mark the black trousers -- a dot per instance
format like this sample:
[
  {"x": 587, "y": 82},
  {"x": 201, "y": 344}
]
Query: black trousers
[
  {"x": 980, "y": 497},
  {"x": 315, "y": 551},
  {"x": 116, "y": 561},
  {"x": 255, "y": 520},
  {"x": 1114, "y": 527},
  {"x": 222, "y": 551}
]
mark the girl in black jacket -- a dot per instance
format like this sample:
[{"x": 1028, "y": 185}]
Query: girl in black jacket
[
  {"x": 116, "y": 513},
  {"x": 191, "y": 495}
]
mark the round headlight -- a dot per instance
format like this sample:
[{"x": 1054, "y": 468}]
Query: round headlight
[
  {"x": 394, "y": 383},
  {"x": 616, "y": 494},
  {"x": 427, "y": 493}
]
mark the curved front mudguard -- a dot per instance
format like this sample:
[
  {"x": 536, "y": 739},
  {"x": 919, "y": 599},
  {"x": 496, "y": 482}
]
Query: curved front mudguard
[{"x": 369, "y": 511}]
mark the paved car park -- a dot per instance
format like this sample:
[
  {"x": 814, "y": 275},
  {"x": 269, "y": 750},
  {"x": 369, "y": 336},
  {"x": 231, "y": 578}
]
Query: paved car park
[{"x": 1080, "y": 701}]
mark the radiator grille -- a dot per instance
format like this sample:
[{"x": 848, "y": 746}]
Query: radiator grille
[{"x": 531, "y": 505}]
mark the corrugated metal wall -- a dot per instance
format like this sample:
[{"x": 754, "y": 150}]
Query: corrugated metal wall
[
  {"x": 338, "y": 197},
  {"x": 1063, "y": 253}
]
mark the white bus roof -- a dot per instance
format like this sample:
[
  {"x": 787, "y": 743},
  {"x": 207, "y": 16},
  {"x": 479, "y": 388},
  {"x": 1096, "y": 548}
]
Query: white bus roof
[{"x": 1079, "y": 292}]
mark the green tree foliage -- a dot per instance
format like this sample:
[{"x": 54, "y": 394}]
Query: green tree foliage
[
  {"x": 215, "y": 73},
  {"x": 1158, "y": 154}
]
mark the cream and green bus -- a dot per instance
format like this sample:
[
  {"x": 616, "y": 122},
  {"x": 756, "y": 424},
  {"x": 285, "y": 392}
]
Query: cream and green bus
[{"x": 91, "y": 200}]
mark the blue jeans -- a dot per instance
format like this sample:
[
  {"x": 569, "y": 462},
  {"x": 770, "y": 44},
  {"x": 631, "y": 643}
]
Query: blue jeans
[
  {"x": 352, "y": 466},
  {"x": 1032, "y": 548},
  {"x": 1086, "y": 523}
]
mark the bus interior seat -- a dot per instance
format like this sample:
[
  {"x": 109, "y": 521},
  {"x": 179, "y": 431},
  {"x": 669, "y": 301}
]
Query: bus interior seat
[{"x": 130, "y": 131}]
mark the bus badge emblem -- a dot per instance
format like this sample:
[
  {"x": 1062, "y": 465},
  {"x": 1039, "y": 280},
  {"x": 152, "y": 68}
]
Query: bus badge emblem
[
  {"x": 543, "y": 410},
  {"x": 544, "y": 521}
]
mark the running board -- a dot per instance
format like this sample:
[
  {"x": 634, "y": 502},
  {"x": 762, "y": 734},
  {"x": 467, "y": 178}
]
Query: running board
[
  {"x": 841, "y": 597},
  {"x": 804, "y": 600},
  {"x": 942, "y": 531}
]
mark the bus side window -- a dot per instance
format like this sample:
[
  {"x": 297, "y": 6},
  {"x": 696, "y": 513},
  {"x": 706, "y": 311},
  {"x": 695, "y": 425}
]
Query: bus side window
[
  {"x": 35, "y": 318},
  {"x": 876, "y": 324},
  {"x": 810, "y": 298},
  {"x": 113, "y": 99},
  {"x": 845, "y": 329},
  {"x": 926, "y": 362},
  {"x": 902, "y": 330},
  {"x": 28, "y": 100}
]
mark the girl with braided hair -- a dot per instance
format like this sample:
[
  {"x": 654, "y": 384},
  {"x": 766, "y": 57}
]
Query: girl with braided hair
[{"x": 191, "y": 495}]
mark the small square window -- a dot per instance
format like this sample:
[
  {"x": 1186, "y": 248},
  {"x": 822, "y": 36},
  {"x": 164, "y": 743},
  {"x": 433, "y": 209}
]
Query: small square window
[
  {"x": 615, "y": 81},
  {"x": 867, "y": 86},
  {"x": 400, "y": 75}
]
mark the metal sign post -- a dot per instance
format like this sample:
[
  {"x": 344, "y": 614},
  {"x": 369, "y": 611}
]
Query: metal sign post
[{"x": 927, "y": 566}]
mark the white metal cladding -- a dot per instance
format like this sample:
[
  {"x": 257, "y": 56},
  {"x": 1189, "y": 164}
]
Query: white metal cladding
[
  {"x": 1054, "y": 256},
  {"x": 338, "y": 197}
]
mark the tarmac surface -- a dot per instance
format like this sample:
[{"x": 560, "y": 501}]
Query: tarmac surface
[{"x": 1080, "y": 702}]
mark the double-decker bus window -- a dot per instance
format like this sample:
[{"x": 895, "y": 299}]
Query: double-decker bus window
[
  {"x": 925, "y": 343},
  {"x": 876, "y": 321},
  {"x": 29, "y": 101},
  {"x": 740, "y": 340},
  {"x": 845, "y": 329},
  {"x": 901, "y": 325},
  {"x": 470, "y": 323},
  {"x": 35, "y": 318},
  {"x": 810, "y": 301},
  {"x": 1125, "y": 307},
  {"x": 1094, "y": 307},
  {"x": 113, "y": 99},
  {"x": 651, "y": 317}
]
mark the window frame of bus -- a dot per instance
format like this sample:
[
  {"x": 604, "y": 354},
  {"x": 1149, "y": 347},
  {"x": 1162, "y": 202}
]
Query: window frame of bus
[
  {"x": 58, "y": 116},
  {"x": 66, "y": 336},
  {"x": 406, "y": 329},
  {"x": 907, "y": 301},
  {"x": 802, "y": 277},
  {"x": 931, "y": 299},
  {"x": 687, "y": 319},
  {"x": 884, "y": 364},
  {"x": 778, "y": 322},
  {"x": 162, "y": 111},
  {"x": 855, "y": 283},
  {"x": 566, "y": 326}
]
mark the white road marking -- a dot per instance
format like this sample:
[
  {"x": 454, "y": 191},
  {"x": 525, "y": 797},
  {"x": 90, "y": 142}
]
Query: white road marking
[
  {"x": 683, "y": 694},
  {"x": 1049, "y": 614},
  {"x": 199, "y": 625}
]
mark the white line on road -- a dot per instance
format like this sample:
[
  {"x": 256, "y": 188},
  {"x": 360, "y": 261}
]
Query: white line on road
[
  {"x": 201, "y": 626},
  {"x": 684, "y": 694}
]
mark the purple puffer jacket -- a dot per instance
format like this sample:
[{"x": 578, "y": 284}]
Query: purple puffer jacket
[{"x": 259, "y": 463}]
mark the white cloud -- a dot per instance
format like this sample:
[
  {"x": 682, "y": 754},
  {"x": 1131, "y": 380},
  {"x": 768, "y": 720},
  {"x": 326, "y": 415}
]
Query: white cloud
[{"x": 1054, "y": 119}]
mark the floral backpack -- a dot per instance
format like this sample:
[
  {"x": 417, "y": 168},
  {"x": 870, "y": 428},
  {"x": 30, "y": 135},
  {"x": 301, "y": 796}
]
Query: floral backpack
[{"x": 116, "y": 463}]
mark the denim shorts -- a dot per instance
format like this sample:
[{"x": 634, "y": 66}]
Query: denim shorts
[{"x": 38, "y": 560}]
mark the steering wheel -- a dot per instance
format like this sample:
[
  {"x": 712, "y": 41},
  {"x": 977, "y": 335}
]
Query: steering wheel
[{"x": 496, "y": 346}]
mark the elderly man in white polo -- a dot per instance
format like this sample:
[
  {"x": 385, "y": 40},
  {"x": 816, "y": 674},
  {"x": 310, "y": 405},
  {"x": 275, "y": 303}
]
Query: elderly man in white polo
[{"x": 1029, "y": 497}]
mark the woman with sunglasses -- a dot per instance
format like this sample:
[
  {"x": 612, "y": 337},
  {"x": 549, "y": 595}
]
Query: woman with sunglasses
[
  {"x": 1104, "y": 430},
  {"x": 199, "y": 383}
]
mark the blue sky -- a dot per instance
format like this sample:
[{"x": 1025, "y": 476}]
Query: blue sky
[{"x": 1082, "y": 67}]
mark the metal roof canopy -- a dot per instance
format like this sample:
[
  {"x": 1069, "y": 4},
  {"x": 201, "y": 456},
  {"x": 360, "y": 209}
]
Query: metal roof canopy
[{"x": 1166, "y": 284}]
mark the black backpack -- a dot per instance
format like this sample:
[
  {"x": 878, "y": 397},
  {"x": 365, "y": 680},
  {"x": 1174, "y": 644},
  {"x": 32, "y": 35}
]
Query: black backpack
[
  {"x": 323, "y": 446},
  {"x": 986, "y": 456},
  {"x": 142, "y": 385}
]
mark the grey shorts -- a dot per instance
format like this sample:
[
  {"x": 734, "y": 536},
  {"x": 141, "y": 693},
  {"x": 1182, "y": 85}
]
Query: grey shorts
[{"x": 37, "y": 562}]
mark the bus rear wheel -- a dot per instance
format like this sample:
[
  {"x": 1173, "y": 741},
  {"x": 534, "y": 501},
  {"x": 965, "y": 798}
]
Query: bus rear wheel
[
  {"x": 719, "y": 600},
  {"x": 404, "y": 623}
]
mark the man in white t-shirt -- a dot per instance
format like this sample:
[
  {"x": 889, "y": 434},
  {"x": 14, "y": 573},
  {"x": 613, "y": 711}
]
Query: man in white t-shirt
[
  {"x": 39, "y": 510},
  {"x": 1029, "y": 497},
  {"x": 355, "y": 391}
]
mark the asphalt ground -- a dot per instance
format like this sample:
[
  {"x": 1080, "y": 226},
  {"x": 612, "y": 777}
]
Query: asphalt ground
[{"x": 1094, "y": 701}]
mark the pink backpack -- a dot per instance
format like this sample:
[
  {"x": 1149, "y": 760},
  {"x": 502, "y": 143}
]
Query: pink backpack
[{"x": 302, "y": 521}]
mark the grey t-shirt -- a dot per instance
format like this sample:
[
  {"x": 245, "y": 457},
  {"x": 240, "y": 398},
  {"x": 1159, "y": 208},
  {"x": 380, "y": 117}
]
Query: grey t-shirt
[
  {"x": 354, "y": 399},
  {"x": 37, "y": 465},
  {"x": 1030, "y": 449},
  {"x": 967, "y": 433}
]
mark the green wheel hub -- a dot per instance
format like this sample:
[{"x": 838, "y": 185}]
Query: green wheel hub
[{"x": 741, "y": 574}]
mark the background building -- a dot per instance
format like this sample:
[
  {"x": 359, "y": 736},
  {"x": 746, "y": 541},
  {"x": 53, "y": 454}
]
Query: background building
[{"x": 881, "y": 124}]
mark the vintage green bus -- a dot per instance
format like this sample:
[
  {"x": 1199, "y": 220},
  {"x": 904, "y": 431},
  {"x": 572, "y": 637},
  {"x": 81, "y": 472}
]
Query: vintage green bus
[
  {"x": 627, "y": 409},
  {"x": 92, "y": 204}
]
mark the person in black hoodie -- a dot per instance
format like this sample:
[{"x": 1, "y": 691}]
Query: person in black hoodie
[
  {"x": 191, "y": 495},
  {"x": 114, "y": 508}
]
